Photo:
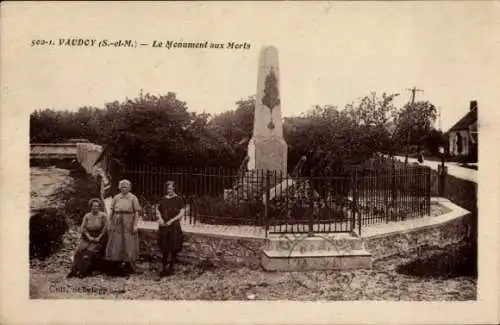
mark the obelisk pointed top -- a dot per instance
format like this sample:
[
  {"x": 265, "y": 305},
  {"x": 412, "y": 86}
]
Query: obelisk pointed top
[
  {"x": 268, "y": 57},
  {"x": 269, "y": 48}
]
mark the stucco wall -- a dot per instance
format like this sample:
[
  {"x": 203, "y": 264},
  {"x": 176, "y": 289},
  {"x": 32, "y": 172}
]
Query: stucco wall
[{"x": 87, "y": 154}]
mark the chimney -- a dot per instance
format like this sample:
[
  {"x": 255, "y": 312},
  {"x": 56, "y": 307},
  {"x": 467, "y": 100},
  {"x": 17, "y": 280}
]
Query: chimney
[{"x": 473, "y": 105}]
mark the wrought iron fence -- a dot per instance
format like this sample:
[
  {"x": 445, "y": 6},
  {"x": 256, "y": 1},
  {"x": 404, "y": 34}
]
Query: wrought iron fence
[{"x": 321, "y": 202}]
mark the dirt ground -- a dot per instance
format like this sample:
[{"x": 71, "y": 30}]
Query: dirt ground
[
  {"x": 46, "y": 183},
  {"x": 203, "y": 281}
]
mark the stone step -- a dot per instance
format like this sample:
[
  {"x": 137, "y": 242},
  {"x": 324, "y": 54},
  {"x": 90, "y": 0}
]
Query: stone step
[
  {"x": 317, "y": 262},
  {"x": 341, "y": 242},
  {"x": 299, "y": 252},
  {"x": 283, "y": 254}
]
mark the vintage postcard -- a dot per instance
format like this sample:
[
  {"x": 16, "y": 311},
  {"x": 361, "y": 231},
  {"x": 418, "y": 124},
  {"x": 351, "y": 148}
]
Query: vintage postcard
[{"x": 251, "y": 162}]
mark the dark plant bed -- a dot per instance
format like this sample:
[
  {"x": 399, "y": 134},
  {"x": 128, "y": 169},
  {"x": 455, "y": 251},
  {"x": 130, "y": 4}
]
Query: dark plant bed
[
  {"x": 47, "y": 227},
  {"x": 453, "y": 261},
  {"x": 230, "y": 221},
  {"x": 215, "y": 210}
]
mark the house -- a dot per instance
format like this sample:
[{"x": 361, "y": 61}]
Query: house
[{"x": 463, "y": 136}]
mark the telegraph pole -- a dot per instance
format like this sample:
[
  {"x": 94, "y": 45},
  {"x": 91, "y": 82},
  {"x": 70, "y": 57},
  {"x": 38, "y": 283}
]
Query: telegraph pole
[
  {"x": 439, "y": 118},
  {"x": 413, "y": 90}
]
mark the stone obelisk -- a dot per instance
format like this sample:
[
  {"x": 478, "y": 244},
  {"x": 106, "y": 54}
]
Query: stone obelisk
[{"x": 267, "y": 150}]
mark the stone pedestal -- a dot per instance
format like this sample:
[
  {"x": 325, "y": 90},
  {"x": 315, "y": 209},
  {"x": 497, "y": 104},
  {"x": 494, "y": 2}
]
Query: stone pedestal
[
  {"x": 302, "y": 253},
  {"x": 268, "y": 154}
]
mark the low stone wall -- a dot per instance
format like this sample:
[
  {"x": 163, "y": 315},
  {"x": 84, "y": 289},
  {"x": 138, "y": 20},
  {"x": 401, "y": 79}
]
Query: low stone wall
[
  {"x": 386, "y": 240},
  {"x": 449, "y": 228},
  {"x": 52, "y": 150},
  {"x": 219, "y": 250},
  {"x": 383, "y": 246}
]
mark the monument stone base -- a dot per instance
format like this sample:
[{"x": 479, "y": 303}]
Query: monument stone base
[
  {"x": 268, "y": 154},
  {"x": 292, "y": 253}
]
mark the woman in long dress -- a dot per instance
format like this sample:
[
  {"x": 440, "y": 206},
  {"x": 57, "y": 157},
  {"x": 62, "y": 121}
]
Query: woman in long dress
[
  {"x": 170, "y": 238},
  {"x": 92, "y": 242},
  {"x": 123, "y": 244}
]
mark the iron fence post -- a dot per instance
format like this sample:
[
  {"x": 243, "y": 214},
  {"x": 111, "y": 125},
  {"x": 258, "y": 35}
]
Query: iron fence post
[
  {"x": 266, "y": 203},
  {"x": 355, "y": 199},
  {"x": 357, "y": 212},
  {"x": 393, "y": 189},
  {"x": 311, "y": 206},
  {"x": 428, "y": 191},
  {"x": 201, "y": 188},
  {"x": 442, "y": 170}
]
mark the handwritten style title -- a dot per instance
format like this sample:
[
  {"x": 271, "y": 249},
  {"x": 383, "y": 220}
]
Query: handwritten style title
[{"x": 128, "y": 43}]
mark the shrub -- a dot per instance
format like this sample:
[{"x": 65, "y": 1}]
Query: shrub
[
  {"x": 47, "y": 227},
  {"x": 293, "y": 206},
  {"x": 215, "y": 210}
]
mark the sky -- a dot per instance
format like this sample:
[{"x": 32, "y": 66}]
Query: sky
[{"x": 329, "y": 53}]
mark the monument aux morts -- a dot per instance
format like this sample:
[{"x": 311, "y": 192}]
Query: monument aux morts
[{"x": 267, "y": 149}]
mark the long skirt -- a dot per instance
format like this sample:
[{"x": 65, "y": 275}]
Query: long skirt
[
  {"x": 88, "y": 254},
  {"x": 123, "y": 242},
  {"x": 170, "y": 238}
]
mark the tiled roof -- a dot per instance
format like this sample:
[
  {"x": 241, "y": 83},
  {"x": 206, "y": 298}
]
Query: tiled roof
[{"x": 466, "y": 121}]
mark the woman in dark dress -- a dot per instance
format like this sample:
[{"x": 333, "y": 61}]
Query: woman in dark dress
[
  {"x": 169, "y": 212},
  {"x": 92, "y": 242}
]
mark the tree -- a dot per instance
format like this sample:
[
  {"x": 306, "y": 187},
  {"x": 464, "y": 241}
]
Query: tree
[
  {"x": 155, "y": 129},
  {"x": 372, "y": 110},
  {"x": 335, "y": 138},
  {"x": 375, "y": 117},
  {"x": 235, "y": 127},
  {"x": 433, "y": 141},
  {"x": 86, "y": 123},
  {"x": 414, "y": 123},
  {"x": 48, "y": 125},
  {"x": 149, "y": 129},
  {"x": 161, "y": 130}
]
